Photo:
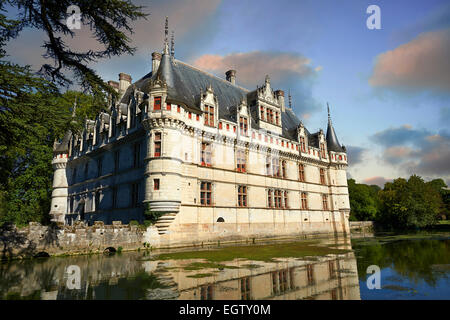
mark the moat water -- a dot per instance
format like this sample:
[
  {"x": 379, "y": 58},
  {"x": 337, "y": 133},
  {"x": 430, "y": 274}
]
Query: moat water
[{"x": 413, "y": 266}]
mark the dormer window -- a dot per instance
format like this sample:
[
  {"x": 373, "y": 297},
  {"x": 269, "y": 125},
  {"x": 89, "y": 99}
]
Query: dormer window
[
  {"x": 243, "y": 125},
  {"x": 322, "y": 150},
  {"x": 157, "y": 103},
  {"x": 303, "y": 144},
  {"x": 209, "y": 116}
]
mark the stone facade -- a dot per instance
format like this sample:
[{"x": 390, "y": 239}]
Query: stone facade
[{"x": 211, "y": 159}]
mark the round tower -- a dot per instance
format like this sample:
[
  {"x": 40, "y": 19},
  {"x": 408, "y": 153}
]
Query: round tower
[{"x": 58, "y": 208}]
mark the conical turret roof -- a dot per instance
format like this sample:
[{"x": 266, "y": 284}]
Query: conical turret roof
[{"x": 332, "y": 140}]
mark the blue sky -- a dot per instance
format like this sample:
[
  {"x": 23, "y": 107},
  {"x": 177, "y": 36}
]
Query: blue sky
[{"x": 390, "y": 83}]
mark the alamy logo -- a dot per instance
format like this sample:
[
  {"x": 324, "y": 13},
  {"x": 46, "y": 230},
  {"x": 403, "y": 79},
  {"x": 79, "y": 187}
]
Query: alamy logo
[
  {"x": 73, "y": 277},
  {"x": 74, "y": 20},
  {"x": 374, "y": 280},
  {"x": 374, "y": 20}
]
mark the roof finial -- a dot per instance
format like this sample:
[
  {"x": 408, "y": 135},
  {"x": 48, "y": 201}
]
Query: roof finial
[
  {"x": 166, "y": 36},
  {"x": 172, "y": 44},
  {"x": 290, "y": 99},
  {"x": 329, "y": 117},
  {"x": 267, "y": 78}
]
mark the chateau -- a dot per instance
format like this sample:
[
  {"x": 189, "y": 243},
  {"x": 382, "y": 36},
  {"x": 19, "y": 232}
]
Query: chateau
[{"x": 207, "y": 158}]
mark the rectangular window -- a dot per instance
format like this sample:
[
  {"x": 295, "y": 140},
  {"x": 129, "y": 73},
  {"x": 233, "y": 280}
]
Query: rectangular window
[
  {"x": 276, "y": 167},
  {"x": 157, "y": 103},
  {"x": 116, "y": 161},
  {"x": 155, "y": 184},
  {"x": 134, "y": 195},
  {"x": 304, "y": 201},
  {"x": 205, "y": 156},
  {"x": 136, "y": 154},
  {"x": 206, "y": 293},
  {"x": 178, "y": 109},
  {"x": 322, "y": 150},
  {"x": 97, "y": 200},
  {"x": 284, "y": 168},
  {"x": 71, "y": 204},
  {"x": 241, "y": 160},
  {"x": 220, "y": 125},
  {"x": 278, "y": 198},
  {"x": 286, "y": 200},
  {"x": 325, "y": 202},
  {"x": 245, "y": 288},
  {"x": 322, "y": 176},
  {"x": 113, "y": 127},
  {"x": 190, "y": 115},
  {"x": 242, "y": 196},
  {"x": 157, "y": 143},
  {"x": 99, "y": 166},
  {"x": 331, "y": 269},
  {"x": 302, "y": 144},
  {"x": 168, "y": 106},
  {"x": 262, "y": 113},
  {"x": 205, "y": 193},
  {"x": 243, "y": 126},
  {"x": 268, "y": 114},
  {"x": 301, "y": 172},
  {"x": 268, "y": 171},
  {"x": 310, "y": 274},
  {"x": 74, "y": 175},
  {"x": 269, "y": 198},
  {"x": 114, "y": 197},
  {"x": 209, "y": 116},
  {"x": 277, "y": 115},
  {"x": 86, "y": 170}
]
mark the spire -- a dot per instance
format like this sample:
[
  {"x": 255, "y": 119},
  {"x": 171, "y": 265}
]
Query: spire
[
  {"x": 172, "y": 45},
  {"x": 166, "y": 36},
  {"x": 332, "y": 140}
]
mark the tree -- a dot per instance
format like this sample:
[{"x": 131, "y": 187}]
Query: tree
[
  {"x": 33, "y": 113},
  {"x": 108, "y": 21},
  {"x": 363, "y": 201},
  {"x": 408, "y": 203},
  {"x": 440, "y": 187}
]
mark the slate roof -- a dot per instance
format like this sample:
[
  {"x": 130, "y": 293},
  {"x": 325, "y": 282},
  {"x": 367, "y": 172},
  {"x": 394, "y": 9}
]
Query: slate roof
[
  {"x": 185, "y": 82},
  {"x": 332, "y": 140}
]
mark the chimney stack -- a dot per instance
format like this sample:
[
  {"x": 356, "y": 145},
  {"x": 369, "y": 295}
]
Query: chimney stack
[
  {"x": 124, "y": 82},
  {"x": 156, "y": 59},
  {"x": 280, "y": 96},
  {"x": 114, "y": 84},
  {"x": 231, "y": 76}
]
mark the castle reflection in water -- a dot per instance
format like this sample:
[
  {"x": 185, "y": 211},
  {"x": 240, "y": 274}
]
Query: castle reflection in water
[{"x": 133, "y": 276}]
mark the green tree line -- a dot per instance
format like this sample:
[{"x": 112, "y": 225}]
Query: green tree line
[
  {"x": 401, "y": 204},
  {"x": 36, "y": 108}
]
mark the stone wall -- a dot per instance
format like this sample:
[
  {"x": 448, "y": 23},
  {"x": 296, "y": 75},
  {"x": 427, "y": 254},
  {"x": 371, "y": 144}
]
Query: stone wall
[
  {"x": 360, "y": 226},
  {"x": 77, "y": 239}
]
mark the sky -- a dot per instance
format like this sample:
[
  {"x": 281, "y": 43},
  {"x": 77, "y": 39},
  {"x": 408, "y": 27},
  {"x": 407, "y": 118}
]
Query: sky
[{"x": 388, "y": 89}]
